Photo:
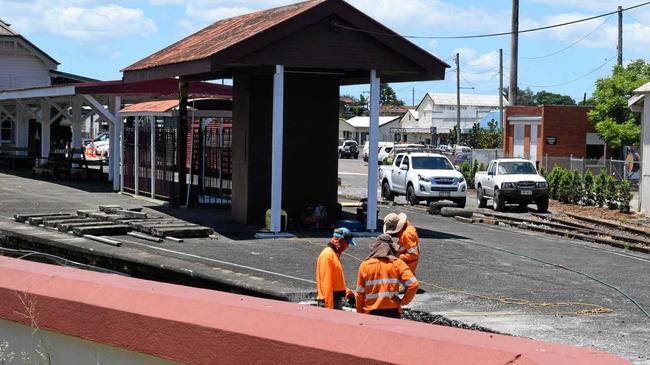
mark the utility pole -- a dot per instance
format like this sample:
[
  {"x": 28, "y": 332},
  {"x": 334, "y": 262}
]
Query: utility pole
[
  {"x": 413, "y": 97},
  {"x": 500, "y": 89},
  {"x": 514, "y": 53},
  {"x": 620, "y": 36},
  {"x": 457, "y": 98}
]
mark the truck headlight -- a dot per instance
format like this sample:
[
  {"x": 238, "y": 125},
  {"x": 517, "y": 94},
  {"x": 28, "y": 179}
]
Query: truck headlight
[
  {"x": 508, "y": 185},
  {"x": 424, "y": 178},
  {"x": 542, "y": 185},
  {"x": 460, "y": 179}
]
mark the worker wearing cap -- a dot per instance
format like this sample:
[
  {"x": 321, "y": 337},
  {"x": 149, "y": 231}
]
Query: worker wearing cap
[
  {"x": 407, "y": 238},
  {"x": 379, "y": 279},
  {"x": 330, "y": 281}
]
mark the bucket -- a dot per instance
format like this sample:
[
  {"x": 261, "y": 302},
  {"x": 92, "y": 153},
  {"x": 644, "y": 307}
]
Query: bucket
[{"x": 283, "y": 220}]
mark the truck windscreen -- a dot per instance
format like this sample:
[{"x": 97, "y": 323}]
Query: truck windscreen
[
  {"x": 517, "y": 168},
  {"x": 431, "y": 163}
]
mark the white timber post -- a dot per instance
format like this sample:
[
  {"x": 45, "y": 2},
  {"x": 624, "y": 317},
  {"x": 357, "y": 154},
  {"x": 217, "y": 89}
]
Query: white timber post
[
  {"x": 76, "y": 122},
  {"x": 644, "y": 182},
  {"x": 373, "y": 147},
  {"x": 116, "y": 146},
  {"x": 153, "y": 156},
  {"x": 22, "y": 128},
  {"x": 136, "y": 155},
  {"x": 45, "y": 128},
  {"x": 276, "y": 150}
]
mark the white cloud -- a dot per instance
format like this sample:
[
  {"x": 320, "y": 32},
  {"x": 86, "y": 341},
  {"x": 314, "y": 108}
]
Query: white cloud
[
  {"x": 78, "y": 19},
  {"x": 478, "y": 68},
  {"x": 600, "y": 5}
]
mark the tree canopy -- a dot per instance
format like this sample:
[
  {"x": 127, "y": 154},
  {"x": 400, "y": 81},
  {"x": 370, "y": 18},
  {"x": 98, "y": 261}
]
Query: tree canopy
[
  {"x": 387, "y": 96},
  {"x": 614, "y": 120},
  {"x": 528, "y": 98}
]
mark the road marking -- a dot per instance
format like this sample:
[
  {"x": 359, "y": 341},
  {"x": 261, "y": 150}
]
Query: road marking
[
  {"x": 352, "y": 173},
  {"x": 222, "y": 262}
]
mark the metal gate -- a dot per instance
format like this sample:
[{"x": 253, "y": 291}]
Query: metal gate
[
  {"x": 128, "y": 157},
  {"x": 165, "y": 159},
  {"x": 215, "y": 167}
]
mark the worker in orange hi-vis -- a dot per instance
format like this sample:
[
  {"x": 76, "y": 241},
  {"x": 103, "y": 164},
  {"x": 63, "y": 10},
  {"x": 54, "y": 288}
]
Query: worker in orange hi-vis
[
  {"x": 379, "y": 278},
  {"x": 330, "y": 281},
  {"x": 407, "y": 238}
]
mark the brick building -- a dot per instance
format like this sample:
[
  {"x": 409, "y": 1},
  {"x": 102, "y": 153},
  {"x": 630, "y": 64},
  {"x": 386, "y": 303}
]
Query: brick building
[{"x": 533, "y": 132}]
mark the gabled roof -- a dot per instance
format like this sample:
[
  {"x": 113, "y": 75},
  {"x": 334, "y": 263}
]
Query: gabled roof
[
  {"x": 221, "y": 35},
  {"x": 465, "y": 99},
  {"x": 220, "y": 48},
  {"x": 364, "y": 122},
  {"x": 6, "y": 31},
  {"x": 644, "y": 89},
  {"x": 151, "y": 106}
]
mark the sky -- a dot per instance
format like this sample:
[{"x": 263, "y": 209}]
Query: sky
[{"x": 97, "y": 38}]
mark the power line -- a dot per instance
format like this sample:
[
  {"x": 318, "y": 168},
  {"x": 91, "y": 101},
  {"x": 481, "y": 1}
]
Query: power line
[
  {"x": 572, "y": 44},
  {"x": 491, "y": 34},
  {"x": 607, "y": 60}
]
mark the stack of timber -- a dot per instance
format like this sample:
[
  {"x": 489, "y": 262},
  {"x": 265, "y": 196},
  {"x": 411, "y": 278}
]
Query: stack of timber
[{"x": 113, "y": 220}]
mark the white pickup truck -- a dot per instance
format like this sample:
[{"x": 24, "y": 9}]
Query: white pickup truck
[
  {"x": 511, "y": 181},
  {"x": 422, "y": 176}
]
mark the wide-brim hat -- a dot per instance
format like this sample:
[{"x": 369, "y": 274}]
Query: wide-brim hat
[{"x": 394, "y": 223}]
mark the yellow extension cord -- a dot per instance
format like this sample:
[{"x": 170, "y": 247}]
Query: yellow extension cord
[{"x": 593, "y": 309}]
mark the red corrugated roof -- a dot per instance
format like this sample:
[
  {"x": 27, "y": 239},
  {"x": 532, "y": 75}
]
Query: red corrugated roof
[
  {"x": 221, "y": 35},
  {"x": 151, "y": 107},
  {"x": 161, "y": 87}
]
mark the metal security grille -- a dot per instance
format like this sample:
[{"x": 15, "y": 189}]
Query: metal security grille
[
  {"x": 215, "y": 171},
  {"x": 128, "y": 158},
  {"x": 165, "y": 159},
  {"x": 144, "y": 158}
]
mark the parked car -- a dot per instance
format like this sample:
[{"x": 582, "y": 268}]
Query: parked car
[
  {"x": 99, "y": 147},
  {"x": 511, "y": 181},
  {"x": 380, "y": 144},
  {"x": 384, "y": 152},
  {"x": 422, "y": 176},
  {"x": 349, "y": 149}
]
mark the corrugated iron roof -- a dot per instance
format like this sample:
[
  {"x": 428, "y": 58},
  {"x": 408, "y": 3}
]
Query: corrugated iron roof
[
  {"x": 5, "y": 29},
  {"x": 221, "y": 35},
  {"x": 160, "y": 106}
]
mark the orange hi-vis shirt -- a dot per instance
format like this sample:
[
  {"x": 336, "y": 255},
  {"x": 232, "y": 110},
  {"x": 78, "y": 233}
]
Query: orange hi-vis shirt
[
  {"x": 378, "y": 284},
  {"x": 329, "y": 276},
  {"x": 409, "y": 243}
]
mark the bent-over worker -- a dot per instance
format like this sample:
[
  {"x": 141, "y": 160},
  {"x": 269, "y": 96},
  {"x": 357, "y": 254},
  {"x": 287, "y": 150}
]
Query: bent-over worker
[
  {"x": 379, "y": 278},
  {"x": 330, "y": 281},
  {"x": 407, "y": 238}
]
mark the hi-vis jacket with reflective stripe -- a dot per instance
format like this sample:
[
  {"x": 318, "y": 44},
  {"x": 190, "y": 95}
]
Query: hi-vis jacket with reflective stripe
[
  {"x": 329, "y": 276},
  {"x": 378, "y": 284},
  {"x": 409, "y": 243}
]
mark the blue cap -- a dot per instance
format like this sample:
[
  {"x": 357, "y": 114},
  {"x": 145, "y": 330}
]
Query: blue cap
[{"x": 345, "y": 234}]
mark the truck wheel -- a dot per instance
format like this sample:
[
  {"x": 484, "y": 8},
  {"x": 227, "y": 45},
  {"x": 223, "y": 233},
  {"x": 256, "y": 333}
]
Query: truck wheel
[
  {"x": 482, "y": 201},
  {"x": 386, "y": 193},
  {"x": 410, "y": 195},
  {"x": 461, "y": 202},
  {"x": 497, "y": 203},
  {"x": 542, "y": 204}
]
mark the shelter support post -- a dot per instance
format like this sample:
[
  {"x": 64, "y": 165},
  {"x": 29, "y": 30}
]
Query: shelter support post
[
  {"x": 644, "y": 181},
  {"x": 136, "y": 155},
  {"x": 76, "y": 123},
  {"x": 181, "y": 142},
  {"x": 45, "y": 128},
  {"x": 117, "y": 144},
  {"x": 22, "y": 128},
  {"x": 276, "y": 149},
  {"x": 152, "y": 120},
  {"x": 373, "y": 145}
]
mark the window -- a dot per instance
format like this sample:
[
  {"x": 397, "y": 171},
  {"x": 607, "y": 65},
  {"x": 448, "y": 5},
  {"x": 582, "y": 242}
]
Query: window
[
  {"x": 431, "y": 163},
  {"x": 398, "y": 161},
  {"x": 6, "y": 131},
  {"x": 517, "y": 168},
  {"x": 595, "y": 154}
]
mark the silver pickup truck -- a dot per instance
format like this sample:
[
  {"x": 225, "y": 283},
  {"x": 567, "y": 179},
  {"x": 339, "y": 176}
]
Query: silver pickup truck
[{"x": 513, "y": 181}]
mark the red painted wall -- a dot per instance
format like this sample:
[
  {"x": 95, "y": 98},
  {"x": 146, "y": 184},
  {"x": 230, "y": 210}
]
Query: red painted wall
[{"x": 198, "y": 326}]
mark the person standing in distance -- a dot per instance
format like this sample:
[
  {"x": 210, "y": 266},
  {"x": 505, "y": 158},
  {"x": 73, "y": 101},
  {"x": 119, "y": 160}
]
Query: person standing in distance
[{"x": 407, "y": 238}]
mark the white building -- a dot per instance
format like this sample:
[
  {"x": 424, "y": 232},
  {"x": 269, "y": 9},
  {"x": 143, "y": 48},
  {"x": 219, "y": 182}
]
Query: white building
[
  {"x": 361, "y": 127},
  {"x": 436, "y": 115}
]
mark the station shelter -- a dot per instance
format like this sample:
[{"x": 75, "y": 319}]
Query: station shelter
[{"x": 287, "y": 65}]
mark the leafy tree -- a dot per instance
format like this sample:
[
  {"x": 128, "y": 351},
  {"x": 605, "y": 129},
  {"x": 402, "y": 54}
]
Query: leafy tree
[
  {"x": 466, "y": 170},
  {"x": 611, "y": 193},
  {"x": 624, "y": 196},
  {"x": 490, "y": 137},
  {"x": 451, "y": 139},
  {"x": 588, "y": 184},
  {"x": 472, "y": 139},
  {"x": 614, "y": 121},
  {"x": 554, "y": 182},
  {"x": 524, "y": 97},
  {"x": 577, "y": 191},
  {"x": 600, "y": 188},
  {"x": 547, "y": 98},
  {"x": 387, "y": 96},
  {"x": 565, "y": 186}
]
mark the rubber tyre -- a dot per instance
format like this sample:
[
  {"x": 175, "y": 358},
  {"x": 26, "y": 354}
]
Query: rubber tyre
[
  {"x": 523, "y": 205},
  {"x": 461, "y": 202},
  {"x": 542, "y": 204},
  {"x": 410, "y": 195},
  {"x": 497, "y": 203},
  {"x": 356, "y": 157},
  {"x": 386, "y": 194},
  {"x": 482, "y": 201}
]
